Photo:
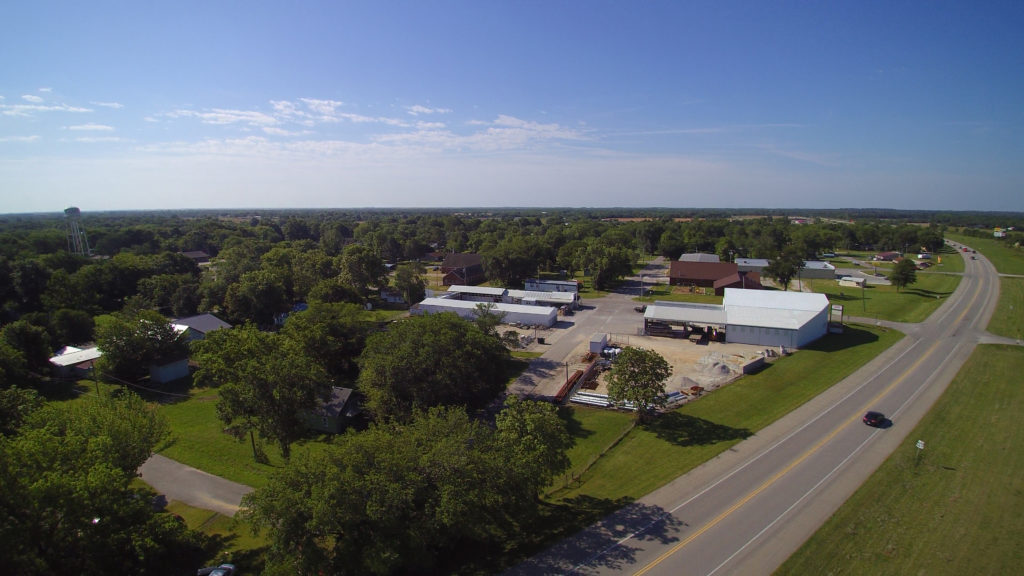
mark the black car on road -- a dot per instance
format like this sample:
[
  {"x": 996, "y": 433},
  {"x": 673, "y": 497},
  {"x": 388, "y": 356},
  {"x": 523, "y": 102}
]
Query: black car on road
[{"x": 875, "y": 419}]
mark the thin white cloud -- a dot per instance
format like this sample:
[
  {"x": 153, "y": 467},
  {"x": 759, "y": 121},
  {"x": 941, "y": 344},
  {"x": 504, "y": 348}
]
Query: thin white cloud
[
  {"x": 322, "y": 107},
  {"x": 32, "y": 138},
  {"x": 273, "y": 131},
  {"x": 29, "y": 109},
  {"x": 114, "y": 105},
  {"x": 32, "y": 98},
  {"x": 99, "y": 139},
  {"x": 417, "y": 110},
  {"x": 222, "y": 116},
  {"x": 92, "y": 128},
  {"x": 46, "y": 89}
]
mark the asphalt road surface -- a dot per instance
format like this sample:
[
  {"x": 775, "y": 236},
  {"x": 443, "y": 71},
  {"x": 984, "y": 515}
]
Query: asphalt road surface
[{"x": 747, "y": 510}]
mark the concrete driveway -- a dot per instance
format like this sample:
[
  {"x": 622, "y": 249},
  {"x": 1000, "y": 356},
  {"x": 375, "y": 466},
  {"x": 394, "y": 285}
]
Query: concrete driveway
[{"x": 176, "y": 481}]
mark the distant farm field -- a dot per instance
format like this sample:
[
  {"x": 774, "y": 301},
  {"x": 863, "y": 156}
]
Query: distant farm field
[
  {"x": 957, "y": 511},
  {"x": 1006, "y": 258}
]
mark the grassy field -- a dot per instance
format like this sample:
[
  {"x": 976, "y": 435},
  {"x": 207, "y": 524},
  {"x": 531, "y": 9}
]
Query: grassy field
[
  {"x": 1008, "y": 319},
  {"x": 232, "y": 536},
  {"x": 960, "y": 509},
  {"x": 684, "y": 438},
  {"x": 669, "y": 293},
  {"x": 1006, "y": 258},
  {"x": 912, "y": 304}
]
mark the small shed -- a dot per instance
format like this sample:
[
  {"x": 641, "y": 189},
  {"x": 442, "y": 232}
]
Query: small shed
[
  {"x": 598, "y": 342},
  {"x": 75, "y": 362},
  {"x": 168, "y": 371},
  {"x": 332, "y": 414}
]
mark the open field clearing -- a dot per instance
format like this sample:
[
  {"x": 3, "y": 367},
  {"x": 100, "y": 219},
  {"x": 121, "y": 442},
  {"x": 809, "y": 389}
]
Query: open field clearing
[{"x": 913, "y": 303}]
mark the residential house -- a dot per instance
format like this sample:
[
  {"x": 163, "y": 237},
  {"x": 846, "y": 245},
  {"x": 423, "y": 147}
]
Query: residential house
[
  {"x": 701, "y": 274},
  {"x": 332, "y": 415},
  {"x": 197, "y": 327},
  {"x": 462, "y": 269},
  {"x": 742, "y": 280}
]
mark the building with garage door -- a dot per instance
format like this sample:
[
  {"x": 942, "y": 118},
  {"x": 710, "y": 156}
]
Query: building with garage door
[{"x": 759, "y": 317}]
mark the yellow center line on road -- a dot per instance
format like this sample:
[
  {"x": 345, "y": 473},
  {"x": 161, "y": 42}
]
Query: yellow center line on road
[{"x": 808, "y": 453}]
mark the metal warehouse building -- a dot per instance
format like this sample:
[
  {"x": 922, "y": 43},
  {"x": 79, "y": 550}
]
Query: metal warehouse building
[
  {"x": 759, "y": 317},
  {"x": 519, "y": 313}
]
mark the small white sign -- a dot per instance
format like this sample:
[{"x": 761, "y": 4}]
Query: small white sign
[{"x": 920, "y": 444}]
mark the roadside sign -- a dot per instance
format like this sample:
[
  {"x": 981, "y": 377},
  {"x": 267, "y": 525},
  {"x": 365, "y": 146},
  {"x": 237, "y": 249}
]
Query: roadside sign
[{"x": 920, "y": 444}]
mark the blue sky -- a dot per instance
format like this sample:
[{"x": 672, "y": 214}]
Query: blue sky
[{"x": 142, "y": 105}]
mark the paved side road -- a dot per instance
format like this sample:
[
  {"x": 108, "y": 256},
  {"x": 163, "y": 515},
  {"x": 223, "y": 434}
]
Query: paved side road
[{"x": 176, "y": 481}]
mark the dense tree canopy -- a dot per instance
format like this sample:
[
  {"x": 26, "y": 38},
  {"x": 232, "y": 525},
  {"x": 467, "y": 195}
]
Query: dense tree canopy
[
  {"x": 266, "y": 382},
  {"x": 410, "y": 498},
  {"x": 133, "y": 340},
  {"x": 333, "y": 335},
  {"x": 432, "y": 360},
  {"x": 67, "y": 504}
]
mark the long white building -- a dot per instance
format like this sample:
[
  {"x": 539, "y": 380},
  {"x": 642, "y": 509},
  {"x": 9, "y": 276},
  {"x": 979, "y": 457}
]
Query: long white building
[
  {"x": 514, "y": 313},
  {"x": 760, "y": 317}
]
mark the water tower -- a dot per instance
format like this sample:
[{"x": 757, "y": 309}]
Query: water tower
[{"x": 77, "y": 242}]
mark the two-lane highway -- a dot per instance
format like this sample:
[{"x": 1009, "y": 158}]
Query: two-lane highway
[{"x": 746, "y": 511}]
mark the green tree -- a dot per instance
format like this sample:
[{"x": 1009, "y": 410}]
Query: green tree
[
  {"x": 257, "y": 297},
  {"x": 409, "y": 498},
  {"x": 266, "y": 382},
  {"x": 334, "y": 335},
  {"x": 785, "y": 267},
  {"x": 133, "y": 340},
  {"x": 15, "y": 406},
  {"x": 32, "y": 341},
  {"x": 409, "y": 281},
  {"x": 361, "y": 268},
  {"x": 71, "y": 327},
  {"x": 486, "y": 319},
  {"x": 639, "y": 376},
  {"x": 903, "y": 274},
  {"x": 533, "y": 440},
  {"x": 68, "y": 499},
  {"x": 425, "y": 361}
]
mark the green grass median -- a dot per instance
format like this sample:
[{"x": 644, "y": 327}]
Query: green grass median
[{"x": 954, "y": 509}]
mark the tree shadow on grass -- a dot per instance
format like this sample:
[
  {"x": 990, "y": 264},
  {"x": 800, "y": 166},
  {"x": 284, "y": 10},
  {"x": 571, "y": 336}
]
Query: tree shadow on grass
[
  {"x": 685, "y": 430},
  {"x": 930, "y": 294},
  {"x": 587, "y": 531},
  {"x": 572, "y": 424},
  {"x": 851, "y": 337}
]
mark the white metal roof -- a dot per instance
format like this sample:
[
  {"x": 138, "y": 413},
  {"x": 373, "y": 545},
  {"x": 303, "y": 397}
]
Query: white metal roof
[
  {"x": 698, "y": 257},
  {"x": 686, "y": 312},
  {"x": 753, "y": 262},
  {"x": 818, "y": 265},
  {"x": 498, "y": 307},
  {"x": 76, "y": 357},
  {"x": 563, "y": 297},
  {"x": 485, "y": 290},
  {"x": 554, "y": 282},
  {"x": 772, "y": 308},
  {"x": 775, "y": 299}
]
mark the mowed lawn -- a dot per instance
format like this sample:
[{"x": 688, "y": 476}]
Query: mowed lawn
[
  {"x": 961, "y": 509},
  {"x": 651, "y": 455},
  {"x": 1006, "y": 258},
  {"x": 1008, "y": 319},
  {"x": 913, "y": 303},
  {"x": 198, "y": 440}
]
